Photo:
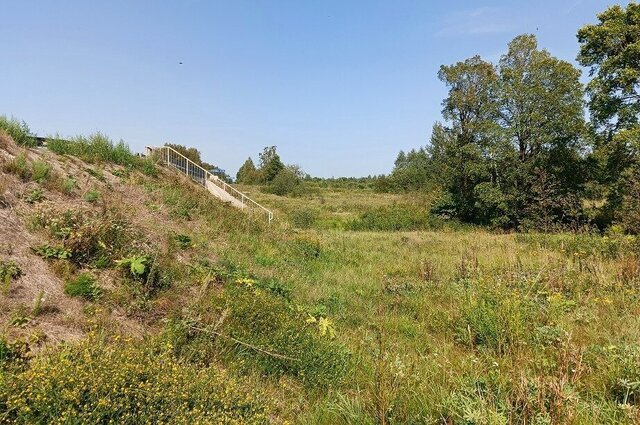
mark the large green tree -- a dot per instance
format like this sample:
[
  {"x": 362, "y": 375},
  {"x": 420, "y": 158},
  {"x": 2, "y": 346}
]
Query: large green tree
[
  {"x": 541, "y": 113},
  {"x": 611, "y": 50},
  {"x": 511, "y": 149},
  {"x": 248, "y": 174},
  {"x": 471, "y": 110},
  {"x": 270, "y": 164}
]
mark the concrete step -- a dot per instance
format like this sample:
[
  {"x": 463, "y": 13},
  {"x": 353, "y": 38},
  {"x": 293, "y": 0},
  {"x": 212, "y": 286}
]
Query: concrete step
[{"x": 222, "y": 194}]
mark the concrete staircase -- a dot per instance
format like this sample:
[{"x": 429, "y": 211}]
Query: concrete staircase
[{"x": 216, "y": 186}]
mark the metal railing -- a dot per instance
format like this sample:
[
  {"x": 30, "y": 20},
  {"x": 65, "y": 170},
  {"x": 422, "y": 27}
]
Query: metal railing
[{"x": 172, "y": 157}]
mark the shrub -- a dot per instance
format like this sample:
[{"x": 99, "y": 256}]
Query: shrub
[
  {"x": 68, "y": 186},
  {"x": 9, "y": 271},
  {"x": 40, "y": 171},
  {"x": 83, "y": 286},
  {"x": 304, "y": 218},
  {"x": 98, "y": 148},
  {"x": 125, "y": 383},
  {"x": 395, "y": 218},
  {"x": 36, "y": 195},
  {"x": 18, "y": 130},
  {"x": 287, "y": 182},
  {"x": 262, "y": 330},
  {"x": 92, "y": 195},
  {"x": 19, "y": 166},
  {"x": 47, "y": 252},
  {"x": 88, "y": 236}
]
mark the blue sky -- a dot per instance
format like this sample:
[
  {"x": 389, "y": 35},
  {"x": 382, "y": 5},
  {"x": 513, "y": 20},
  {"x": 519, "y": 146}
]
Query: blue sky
[{"x": 339, "y": 86}]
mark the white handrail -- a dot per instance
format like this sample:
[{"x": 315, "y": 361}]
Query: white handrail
[{"x": 193, "y": 170}]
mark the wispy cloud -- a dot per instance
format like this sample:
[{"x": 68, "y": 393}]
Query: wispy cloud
[{"x": 478, "y": 21}]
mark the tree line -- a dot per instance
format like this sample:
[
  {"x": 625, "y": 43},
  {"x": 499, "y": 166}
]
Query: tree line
[
  {"x": 273, "y": 174},
  {"x": 514, "y": 148}
]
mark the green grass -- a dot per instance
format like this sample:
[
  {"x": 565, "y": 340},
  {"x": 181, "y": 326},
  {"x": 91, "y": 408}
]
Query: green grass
[
  {"x": 351, "y": 308},
  {"x": 98, "y": 381},
  {"x": 18, "y": 130},
  {"x": 98, "y": 148},
  {"x": 84, "y": 285}
]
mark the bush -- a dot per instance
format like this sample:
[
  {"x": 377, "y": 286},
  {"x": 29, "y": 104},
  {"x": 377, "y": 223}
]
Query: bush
[
  {"x": 82, "y": 286},
  {"x": 98, "y": 148},
  {"x": 39, "y": 171},
  {"x": 304, "y": 218},
  {"x": 258, "y": 329},
  {"x": 124, "y": 383},
  {"x": 18, "y": 130},
  {"x": 18, "y": 166},
  {"x": 88, "y": 236},
  {"x": 395, "y": 218},
  {"x": 9, "y": 271},
  {"x": 496, "y": 321},
  {"x": 286, "y": 183},
  {"x": 92, "y": 196}
]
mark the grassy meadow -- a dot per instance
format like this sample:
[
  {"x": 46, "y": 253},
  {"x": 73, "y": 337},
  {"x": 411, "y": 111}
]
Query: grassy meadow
[{"x": 351, "y": 308}]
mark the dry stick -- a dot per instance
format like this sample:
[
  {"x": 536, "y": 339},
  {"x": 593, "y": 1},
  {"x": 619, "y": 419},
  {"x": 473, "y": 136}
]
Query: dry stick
[{"x": 245, "y": 344}]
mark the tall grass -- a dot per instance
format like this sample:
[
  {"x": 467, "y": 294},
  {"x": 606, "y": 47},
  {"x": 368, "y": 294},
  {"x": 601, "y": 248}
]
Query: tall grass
[
  {"x": 18, "y": 130},
  {"x": 98, "y": 148}
]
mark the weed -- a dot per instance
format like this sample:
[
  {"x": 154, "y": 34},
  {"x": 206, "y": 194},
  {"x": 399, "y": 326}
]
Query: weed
[
  {"x": 304, "y": 218},
  {"x": 84, "y": 286},
  {"x": 98, "y": 148},
  {"x": 183, "y": 241},
  {"x": 36, "y": 195},
  {"x": 37, "y": 305},
  {"x": 126, "y": 383},
  {"x": 395, "y": 218},
  {"x": 20, "y": 317},
  {"x": 18, "y": 130},
  {"x": 9, "y": 271},
  {"x": 18, "y": 166},
  {"x": 87, "y": 235},
  {"x": 47, "y": 252},
  {"x": 92, "y": 195},
  {"x": 136, "y": 267},
  {"x": 40, "y": 171},
  {"x": 68, "y": 185}
]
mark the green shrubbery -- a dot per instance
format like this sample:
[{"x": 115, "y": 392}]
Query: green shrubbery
[
  {"x": 98, "y": 148},
  {"x": 84, "y": 285},
  {"x": 18, "y": 130},
  {"x": 395, "y": 218},
  {"x": 583, "y": 244},
  {"x": 252, "y": 323},
  {"x": 39, "y": 171},
  {"x": 122, "y": 382},
  {"x": 9, "y": 271},
  {"x": 88, "y": 236}
]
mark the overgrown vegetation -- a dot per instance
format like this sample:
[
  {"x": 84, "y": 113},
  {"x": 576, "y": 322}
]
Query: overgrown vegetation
[
  {"x": 103, "y": 381},
  {"x": 353, "y": 307},
  {"x": 17, "y": 130},
  {"x": 98, "y": 148},
  {"x": 9, "y": 271}
]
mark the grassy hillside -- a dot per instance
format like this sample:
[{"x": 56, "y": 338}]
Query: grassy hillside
[{"x": 131, "y": 295}]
